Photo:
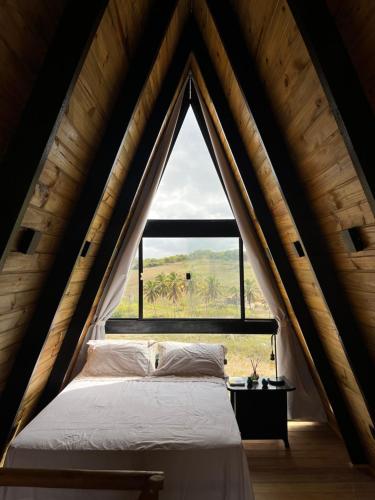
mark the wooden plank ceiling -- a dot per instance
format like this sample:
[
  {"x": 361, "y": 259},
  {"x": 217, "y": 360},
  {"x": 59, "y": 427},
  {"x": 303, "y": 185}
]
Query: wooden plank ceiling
[{"x": 324, "y": 169}]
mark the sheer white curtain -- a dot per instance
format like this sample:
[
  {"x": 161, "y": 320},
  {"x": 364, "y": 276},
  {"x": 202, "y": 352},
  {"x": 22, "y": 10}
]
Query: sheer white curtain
[
  {"x": 114, "y": 288},
  {"x": 304, "y": 403}
]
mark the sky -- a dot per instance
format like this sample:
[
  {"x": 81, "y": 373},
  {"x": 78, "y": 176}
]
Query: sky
[{"x": 190, "y": 189}]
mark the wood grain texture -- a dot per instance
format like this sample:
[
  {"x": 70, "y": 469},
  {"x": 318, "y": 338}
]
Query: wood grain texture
[
  {"x": 65, "y": 170},
  {"x": 206, "y": 97},
  {"x": 26, "y": 29},
  {"x": 308, "y": 126},
  {"x": 355, "y": 21},
  {"x": 148, "y": 483},
  {"x": 315, "y": 468},
  {"x": 324, "y": 166},
  {"x": 104, "y": 210}
]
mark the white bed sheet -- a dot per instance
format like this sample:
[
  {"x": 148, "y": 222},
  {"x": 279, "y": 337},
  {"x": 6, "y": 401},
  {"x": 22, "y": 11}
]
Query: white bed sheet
[{"x": 183, "y": 426}]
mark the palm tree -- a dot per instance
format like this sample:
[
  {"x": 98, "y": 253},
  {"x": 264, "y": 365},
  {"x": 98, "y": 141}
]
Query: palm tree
[
  {"x": 162, "y": 283},
  {"x": 251, "y": 291},
  {"x": 234, "y": 296},
  {"x": 210, "y": 290},
  {"x": 213, "y": 288},
  {"x": 151, "y": 293},
  {"x": 176, "y": 287}
]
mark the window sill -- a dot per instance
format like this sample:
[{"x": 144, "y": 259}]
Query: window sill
[{"x": 250, "y": 326}]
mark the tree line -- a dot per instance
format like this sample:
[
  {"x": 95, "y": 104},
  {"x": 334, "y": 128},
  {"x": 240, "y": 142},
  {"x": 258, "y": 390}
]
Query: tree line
[
  {"x": 174, "y": 287},
  {"x": 225, "y": 255}
]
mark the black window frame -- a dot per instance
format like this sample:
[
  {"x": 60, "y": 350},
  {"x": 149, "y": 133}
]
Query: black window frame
[{"x": 191, "y": 228}]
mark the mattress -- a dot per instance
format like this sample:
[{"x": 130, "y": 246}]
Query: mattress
[{"x": 183, "y": 426}]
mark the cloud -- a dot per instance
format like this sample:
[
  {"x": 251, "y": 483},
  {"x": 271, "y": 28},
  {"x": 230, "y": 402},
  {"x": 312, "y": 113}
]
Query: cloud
[{"x": 190, "y": 187}]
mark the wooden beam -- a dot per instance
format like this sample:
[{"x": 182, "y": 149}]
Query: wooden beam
[
  {"x": 99, "y": 172},
  {"x": 342, "y": 87},
  {"x": 142, "y": 326},
  {"x": 290, "y": 282},
  {"x": 191, "y": 228},
  {"x": 295, "y": 197},
  {"x": 148, "y": 482},
  {"x": 30, "y": 146},
  {"x": 115, "y": 227}
]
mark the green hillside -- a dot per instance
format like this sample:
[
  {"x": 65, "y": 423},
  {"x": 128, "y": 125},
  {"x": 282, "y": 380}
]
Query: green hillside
[{"x": 212, "y": 292}]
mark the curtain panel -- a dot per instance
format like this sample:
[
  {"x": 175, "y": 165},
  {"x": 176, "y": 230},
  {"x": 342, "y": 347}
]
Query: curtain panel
[
  {"x": 115, "y": 285},
  {"x": 304, "y": 403}
]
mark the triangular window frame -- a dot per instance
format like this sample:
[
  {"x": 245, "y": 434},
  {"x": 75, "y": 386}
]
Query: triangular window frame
[
  {"x": 193, "y": 228},
  {"x": 189, "y": 143}
]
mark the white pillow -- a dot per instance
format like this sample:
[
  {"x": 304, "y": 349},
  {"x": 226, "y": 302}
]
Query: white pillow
[
  {"x": 118, "y": 359},
  {"x": 188, "y": 359}
]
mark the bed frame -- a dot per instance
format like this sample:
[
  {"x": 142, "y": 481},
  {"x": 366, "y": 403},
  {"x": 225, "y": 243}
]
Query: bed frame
[{"x": 149, "y": 483}]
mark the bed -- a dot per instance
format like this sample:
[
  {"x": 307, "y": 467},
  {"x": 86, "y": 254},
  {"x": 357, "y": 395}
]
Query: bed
[{"x": 184, "y": 426}]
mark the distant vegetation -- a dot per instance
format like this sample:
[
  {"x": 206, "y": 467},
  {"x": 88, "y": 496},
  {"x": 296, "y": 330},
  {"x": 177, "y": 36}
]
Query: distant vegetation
[
  {"x": 226, "y": 255},
  {"x": 212, "y": 290}
]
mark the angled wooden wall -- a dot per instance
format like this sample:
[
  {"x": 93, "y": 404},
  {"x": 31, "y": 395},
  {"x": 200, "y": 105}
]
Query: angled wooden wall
[
  {"x": 26, "y": 31},
  {"x": 298, "y": 100},
  {"x": 65, "y": 170},
  {"x": 355, "y": 22},
  {"x": 118, "y": 176},
  {"x": 319, "y": 152},
  {"x": 247, "y": 199}
]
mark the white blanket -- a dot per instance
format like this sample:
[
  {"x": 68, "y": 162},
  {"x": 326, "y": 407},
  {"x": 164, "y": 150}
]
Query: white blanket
[{"x": 182, "y": 426}]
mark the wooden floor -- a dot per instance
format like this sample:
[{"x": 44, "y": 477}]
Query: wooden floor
[{"x": 315, "y": 468}]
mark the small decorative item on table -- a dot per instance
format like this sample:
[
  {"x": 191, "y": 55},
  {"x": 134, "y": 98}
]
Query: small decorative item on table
[{"x": 254, "y": 376}]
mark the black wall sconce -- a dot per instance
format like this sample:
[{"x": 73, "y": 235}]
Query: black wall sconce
[
  {"x": 298, "y": 248},
  {"x": 353, "y": 239},
  {"x": 28, "y": 240},
  {"x": 85, "y": 248}
]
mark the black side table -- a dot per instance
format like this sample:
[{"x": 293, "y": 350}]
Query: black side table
[{"x": 261, "y": 413}]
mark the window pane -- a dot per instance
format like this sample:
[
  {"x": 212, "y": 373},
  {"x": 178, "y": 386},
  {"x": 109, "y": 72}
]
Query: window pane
[
  {"x": 241, "y": 348},
  {"x": 190, "y": 187},
  {"x": 128, "y": 307},
  {"x": 255, "y": 303},
  {"x": 191, "y": 278}
]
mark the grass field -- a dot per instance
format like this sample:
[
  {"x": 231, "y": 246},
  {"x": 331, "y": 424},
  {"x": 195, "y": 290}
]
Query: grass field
[
  {"x": 240, "y": 349},
  {"x": 212, "y": 292}
]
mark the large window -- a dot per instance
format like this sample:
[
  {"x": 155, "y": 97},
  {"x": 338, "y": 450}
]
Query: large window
[
  {"x": 190, "y": 273},
  {"x": 191, "y": 278},
  {"x": 192, "y": 270}
]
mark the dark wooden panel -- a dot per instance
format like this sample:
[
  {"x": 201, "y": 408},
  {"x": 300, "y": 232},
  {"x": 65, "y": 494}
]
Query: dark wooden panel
[
  {"x": 255, "y": 326},
  {"x": 343, "y": 90},
  {"x": 265, "y": 218},
  {"x": 27, "y": 30},
  {"x": 83, "y": 215},
  {"x": 30, "y": 146},
  {"x": 130, "y": 18},
  {"x": 115, "y": 227},
  {"x": 295, "y": 197},
  {"x": 200, "y": 228}
]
